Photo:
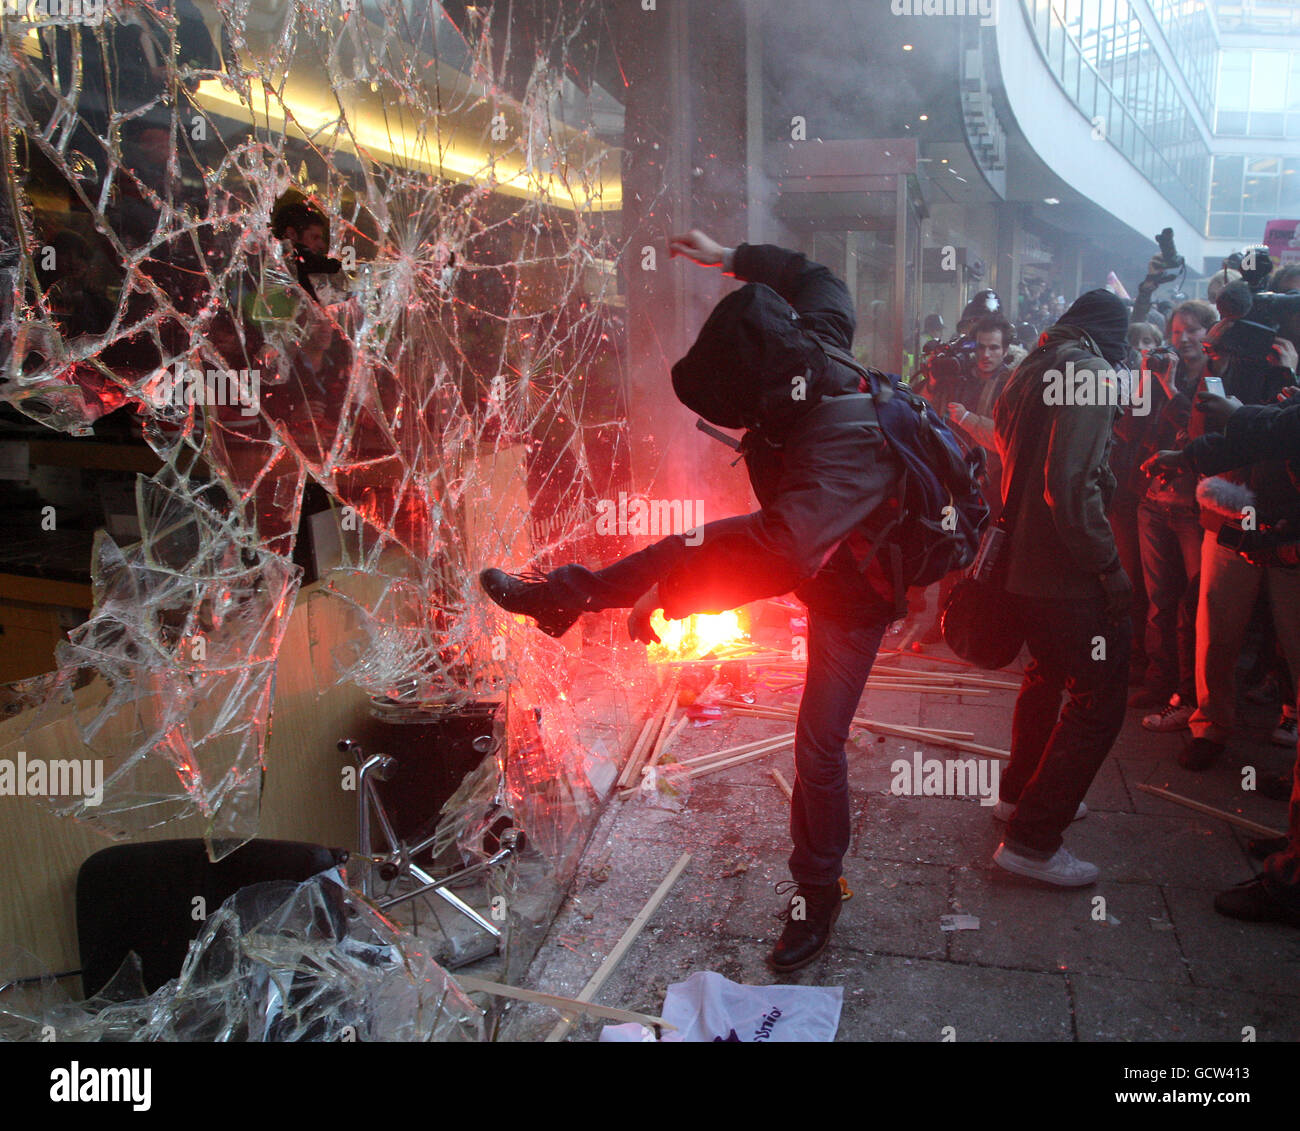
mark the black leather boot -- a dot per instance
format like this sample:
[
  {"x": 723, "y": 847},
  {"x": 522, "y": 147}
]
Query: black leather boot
[
  {"x": 530, "y": 597},
  {"x": 811, "y": 914}
]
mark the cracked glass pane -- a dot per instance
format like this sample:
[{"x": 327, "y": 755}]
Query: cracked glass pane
[
  {"x": 358, "y": 259},
  {"x": 277, "y": 962}
]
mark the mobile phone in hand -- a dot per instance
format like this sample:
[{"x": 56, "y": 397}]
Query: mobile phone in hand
[{"x": 1214, "y": 386}]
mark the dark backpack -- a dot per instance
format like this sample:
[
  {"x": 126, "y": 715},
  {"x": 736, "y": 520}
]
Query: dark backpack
[
  {"x": 738, "y": 374},
  {"x": 934, "y": 524}
]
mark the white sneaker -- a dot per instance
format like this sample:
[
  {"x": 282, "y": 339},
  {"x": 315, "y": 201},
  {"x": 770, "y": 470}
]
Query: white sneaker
[
  {"x": 1003, "y": 809},
  {"x": 1063, "y": 869},
  {"x": 1175, "y": 716}
]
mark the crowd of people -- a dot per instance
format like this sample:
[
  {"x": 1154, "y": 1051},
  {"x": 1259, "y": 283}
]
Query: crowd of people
[
  {"x": 1094, "y": 497},
  {"x": 1200, "y": 552}
]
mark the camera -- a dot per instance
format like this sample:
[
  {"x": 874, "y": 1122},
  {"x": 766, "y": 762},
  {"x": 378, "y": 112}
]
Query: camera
[
  {"x": 1162, "y": 360},
  {"x": 1267, "y": 546},
  {"x": 1255, "y": 264},
  {"x": 950, "y": 359},
  {"x": 1168, "y": 252},
  {"x": 1252, "y": 320},
  {"x": 1240, "y": 337}
]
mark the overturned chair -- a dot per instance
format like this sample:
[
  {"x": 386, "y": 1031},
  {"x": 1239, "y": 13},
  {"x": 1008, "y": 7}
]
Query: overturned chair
[{"x": 399, "y": 801}]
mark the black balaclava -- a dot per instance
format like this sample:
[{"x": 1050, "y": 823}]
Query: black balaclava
[{"x": 1103, "y": 317}]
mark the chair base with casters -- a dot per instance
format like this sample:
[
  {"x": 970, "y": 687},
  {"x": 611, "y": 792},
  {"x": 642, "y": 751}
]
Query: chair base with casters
[{"x": 396, "y": 864}]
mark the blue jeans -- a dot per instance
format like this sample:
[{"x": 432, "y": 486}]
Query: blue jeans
[
  {"x": 840, "y": 655},
  {"x": 841, "y": 650},
  {"x": 1056, "y": 751}
]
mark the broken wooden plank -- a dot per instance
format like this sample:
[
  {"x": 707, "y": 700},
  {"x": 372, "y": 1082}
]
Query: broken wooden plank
[
  {"x": 700, "y": 771},
  {"x": 743, "y": 748},
  {"x": 663, "y": 746},
  {"x": 639, "y": 744},
  {"x": 653, "y": 760},
  {"x": 471, "y": 984},
  {"x": 782, "y": 784},
  {"x": 893, "y": 729},
  {"x": 632, "y": 771},
  {"x": 615, "y": 956},
  {"x": 1210, "y": 811}
]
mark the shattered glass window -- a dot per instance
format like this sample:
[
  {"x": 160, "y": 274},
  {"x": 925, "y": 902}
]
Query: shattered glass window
[{"x": 354, "y": 266}]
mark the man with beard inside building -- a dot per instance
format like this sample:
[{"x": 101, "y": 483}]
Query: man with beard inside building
[{"x": 819, "y": 465}]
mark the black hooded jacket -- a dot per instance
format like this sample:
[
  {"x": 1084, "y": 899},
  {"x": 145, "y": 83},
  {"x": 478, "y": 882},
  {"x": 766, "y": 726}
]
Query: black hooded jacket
[
  {"x": 818, "y": 463},
  {"x": 1056, "y": 459}
]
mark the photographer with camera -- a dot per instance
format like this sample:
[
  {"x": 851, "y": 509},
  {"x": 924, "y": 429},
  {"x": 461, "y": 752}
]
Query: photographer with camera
[
  {"x": 1168, "y": 522},
  {"x": 1252, "y": 434},
  {"x": 966, "y": 378},
  {"x": 1251, "y": 353}
]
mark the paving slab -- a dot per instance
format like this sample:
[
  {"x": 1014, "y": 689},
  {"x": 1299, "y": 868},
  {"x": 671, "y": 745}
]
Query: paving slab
[
  {"x": 927, "y": 830},
  {"x": 1108, "y": 928},
  {"x": 1184, "y": 849},
  {"x": 1227, "y": 953},
  {"x": 905, "y": 999},
  {"x": 1133, "y": 1009}
]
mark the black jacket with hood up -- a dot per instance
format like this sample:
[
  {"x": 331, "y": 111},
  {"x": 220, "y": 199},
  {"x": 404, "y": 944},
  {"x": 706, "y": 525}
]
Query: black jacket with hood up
[{"x": 818, "y": 466}]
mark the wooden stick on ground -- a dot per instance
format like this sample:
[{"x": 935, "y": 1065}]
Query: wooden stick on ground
[
  {"x": 923, "y": 688},
  {"x": 647, "y": 735},
  {"x": 942, "y": 731},
  {"x": 663, "y": 715},
  {"x": 639, "y": 744},
  {"x": 700, "y": 771},
  {"x": 939, "y": 679},
  {"x": 897, "y": 654},
  {"x": 1210, "y": 811},
  {"x": 615, "y": 956},
  {"x": 938, "y": 738},
  {"x": 894, "y": 729},
  {"x": 471, "y": 984},
  {"x": 663, "y": 746},
  {"x": 969, "y": 735},
  {"x": 782, "y": 784},
  {"x": 912, "y": 675},
  {"x": 744, "y": 748}
]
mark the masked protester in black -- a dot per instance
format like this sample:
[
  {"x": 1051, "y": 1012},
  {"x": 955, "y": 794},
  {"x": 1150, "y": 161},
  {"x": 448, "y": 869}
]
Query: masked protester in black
[
  {"x": 1054, "y": 431},
  {"x": 819, "y": 466}
]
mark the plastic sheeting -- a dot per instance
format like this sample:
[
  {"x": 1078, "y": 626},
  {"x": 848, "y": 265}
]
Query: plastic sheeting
[{"x": 277, "y": 962}]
